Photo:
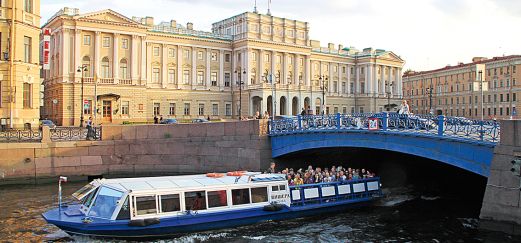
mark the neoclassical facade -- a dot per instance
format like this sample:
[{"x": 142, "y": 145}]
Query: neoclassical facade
[
  {"x": 133, "y": 69},
  {"x": 455, "y": 90},
  {"x": 19, "y": 64}
]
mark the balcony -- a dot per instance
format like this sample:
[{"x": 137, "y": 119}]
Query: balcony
[
  {"x": 125, "y": 81},
  {"x": 106, "y": 80}
]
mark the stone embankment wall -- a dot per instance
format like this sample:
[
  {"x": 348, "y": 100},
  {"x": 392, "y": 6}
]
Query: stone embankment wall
[
  {"x": 501, "y": 209},
  {"x": 141, "y": 150}
]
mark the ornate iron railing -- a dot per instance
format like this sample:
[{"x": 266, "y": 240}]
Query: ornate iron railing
[
  {"x": 74, "y": 134},
  {"x": 428, "y": 125},
  {"x": 16, "y": 136}
]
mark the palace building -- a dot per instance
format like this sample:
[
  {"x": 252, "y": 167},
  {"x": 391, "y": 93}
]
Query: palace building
[
  {"x": 456, "y": 90},
  {"x": 132, "y": 69},
  {"x": 19, "y": 64}
]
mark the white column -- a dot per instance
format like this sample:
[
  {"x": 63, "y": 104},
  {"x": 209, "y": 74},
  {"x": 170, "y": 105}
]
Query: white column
[
  {"x": 375, "y": 77},
  {"x": 246, "y": 67},
  {"x": 357, "y": 79},
  {"x": 369, "y": 79},
  {"x": 260, "y": 72},
  {"x": 143, "y": 73},
  {"x": 194, "y": 66},
  {"x": 65, "y": 57},
  {"x": 296, "y": 72},
  {"x": 115, "y": 58},
  {"x": 208, "y": 70},
  {"x": 399, "y": 81},
  {"x": 307, "y": 72},
  {"x": 330, "y": 83},
  {"x": 382, "y": 77},
  {"x": 340, "y": 81},
  {"x": 148, "y": 67},
  {"x": 97, "y": 41},
  {"x": 348, "y": 88},
  {"x": 273, "y": 59},
  {"x": 221, "y": 69},
  {"x": 134, "y": 59},
  {"x": 180, "y": 65},
  {"x": 77, "y": 54},
  {"x": 389, "y": 77},
  {"x": 164, "y": 67}
]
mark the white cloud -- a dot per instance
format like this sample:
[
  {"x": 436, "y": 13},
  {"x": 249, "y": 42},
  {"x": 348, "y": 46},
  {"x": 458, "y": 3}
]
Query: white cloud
[{"x": 426, "y": 33}]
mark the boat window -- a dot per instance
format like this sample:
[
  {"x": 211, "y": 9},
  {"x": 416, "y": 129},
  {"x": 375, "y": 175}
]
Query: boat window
[
  {"x": 170, "y": 203},
  {"x": 282, "y": 187},
  {"x": 124, "y": 213},
  {"x": 88, "y": 199},
  {"x": 217, "y": 199},
  {"x": 240, "y": 196},
  {"x": 274, "y": 188},
  {"x": 195, "y": 200},
  {"x": 82, "y": 192},
  {"x": 105, "y": 203},
  {"x": 259, "y": 194},
  {"x": 146, "y": 205}
]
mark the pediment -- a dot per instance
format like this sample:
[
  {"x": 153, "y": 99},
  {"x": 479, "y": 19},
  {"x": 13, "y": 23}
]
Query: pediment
[
  {"x": 391, "y": 56},
  {"x": 108, "y": 16}
]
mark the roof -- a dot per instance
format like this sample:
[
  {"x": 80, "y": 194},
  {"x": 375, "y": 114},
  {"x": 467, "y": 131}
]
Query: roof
[{"x": 187, "y": 181}]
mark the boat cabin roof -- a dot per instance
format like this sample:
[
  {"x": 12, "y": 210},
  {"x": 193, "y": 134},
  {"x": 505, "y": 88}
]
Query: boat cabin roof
[{"x": 185, "y": 182}]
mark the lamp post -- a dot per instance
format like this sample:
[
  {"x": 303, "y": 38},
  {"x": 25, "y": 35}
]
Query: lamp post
[
  {"x": 388, "y": 86},
  {"x": 240, "y": 83},
  {"x": 323, "y": 80},
  {"x": 82, "y": 69},
  {"x": 481, "y": 90},
  {"x": 429, "y": 91}
]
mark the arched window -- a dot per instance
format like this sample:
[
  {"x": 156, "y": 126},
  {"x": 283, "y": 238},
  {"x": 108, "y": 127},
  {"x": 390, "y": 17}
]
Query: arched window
[
  {"x": 253, "y": 76},
  {"x": 123, "y": 73},
  {"x": 105, "y": 68},
  {"x": 86, "y": 62}
]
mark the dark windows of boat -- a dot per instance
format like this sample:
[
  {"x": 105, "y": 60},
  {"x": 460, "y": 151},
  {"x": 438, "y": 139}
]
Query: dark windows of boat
[
  {"x": 240, "y": 196},
  {"x": 274, "y": 188},
  {"x": 105, "y": 203},
  {"x": 282, "y": 187},
  {"x": 170, "y": 203},
  {"x": 88, "y": 199},
  {"x": 124, "y": 213},
  {"x": 82, "y": 192},
  {"x": 146, "y": 205},
  {"x": 195, "y": 200},
  {"x": 259, "y": 194},
  {"x": 217, "y": 199}
]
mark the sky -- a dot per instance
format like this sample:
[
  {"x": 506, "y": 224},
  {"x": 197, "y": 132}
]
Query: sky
[{"x": 427, "y": 34}]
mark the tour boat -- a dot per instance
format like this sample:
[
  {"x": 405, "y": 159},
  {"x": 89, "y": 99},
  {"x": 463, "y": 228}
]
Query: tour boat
[{"x": 154, "y": 207}]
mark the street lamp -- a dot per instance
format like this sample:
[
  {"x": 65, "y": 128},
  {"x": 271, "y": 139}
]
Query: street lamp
[
  {"x": 82, "y": 69},
  {"x": 269, "y": 79},
  {"x": 388, "y": 86},
  {"x": 323, "y": 80},
  {"x": 429, "y": 91},
  {"x": 481, "y": 90},
  {"x": 240, "y": 83}
]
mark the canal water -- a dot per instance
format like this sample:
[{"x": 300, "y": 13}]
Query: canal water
[{"x": 405, "y": 215}]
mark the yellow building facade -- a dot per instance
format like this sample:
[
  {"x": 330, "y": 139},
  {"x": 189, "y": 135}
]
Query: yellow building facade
[
  {"x": 132, "y": 69},
  {"x": 19, "y": 64},
  {"x": 455, "y": 90}
]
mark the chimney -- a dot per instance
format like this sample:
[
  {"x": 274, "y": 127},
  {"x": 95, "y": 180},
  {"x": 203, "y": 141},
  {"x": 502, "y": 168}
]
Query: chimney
[
  {"x": 330, "y": 46},
  {"x": 189, "y": 26},
  {"x": 173, "y": 23},
  {"x": 478, "y": 59},
  {"x": 149, "y": 21},
  {"x": 340, "y": 47}
]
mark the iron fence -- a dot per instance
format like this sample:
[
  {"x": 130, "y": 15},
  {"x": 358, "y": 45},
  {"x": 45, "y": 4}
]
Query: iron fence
[
  {"x": 75, "y": 134},
  {"x": 14, "y": 135}
]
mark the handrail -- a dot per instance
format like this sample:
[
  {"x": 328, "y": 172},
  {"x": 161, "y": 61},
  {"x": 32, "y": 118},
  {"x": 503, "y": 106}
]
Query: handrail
[{"x": 428, "y": 125}]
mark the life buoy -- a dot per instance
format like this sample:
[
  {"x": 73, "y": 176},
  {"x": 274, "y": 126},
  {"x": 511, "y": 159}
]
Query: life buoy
[
  {"x": 215, "y": 175},
  {"x": 236, "y": 173}
]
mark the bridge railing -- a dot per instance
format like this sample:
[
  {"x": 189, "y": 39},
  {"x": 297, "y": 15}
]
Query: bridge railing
[{"x": 430, "y": 125}]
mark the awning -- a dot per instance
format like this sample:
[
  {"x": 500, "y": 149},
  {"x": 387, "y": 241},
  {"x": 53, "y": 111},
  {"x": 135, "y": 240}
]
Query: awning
[{"x": 109, "y": 95}]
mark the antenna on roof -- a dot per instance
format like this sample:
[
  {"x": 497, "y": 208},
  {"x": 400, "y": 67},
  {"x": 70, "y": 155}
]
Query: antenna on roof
[
  {"x": 255, "y": 7},
  {"x": 269, "y": 12}
]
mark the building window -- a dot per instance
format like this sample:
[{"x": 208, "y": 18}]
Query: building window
[
  {"x": 227, "y": 58},
  {"x": 267, "y": 57},
  {"x": 123, "y": 73},
  {"x": 201, "y": 109},
  {"x": 155, "y": 75},
  {"x": 87, "y": 107},
  {"x": 186, "y": 76},
  {"x": 171, "y": 76},
  {"x": 226, "y": 79},
  {"x": 200, "y": 77},
  {"x": 27, "y": 49},
  {"x": 200, "y": 55},
  {"x": 228, "y": 111},
  {"x": 27, "y": 95},
  {"x": 215, "y": 109},
  {"x": 28, "y": 6},
  {"x": 254, "y": 56},
  {"x": 187, "y": 54},
  {"x": 213, "y": 78},
  {"x": 335, "y": 87},
  {"x": 156, "y": 51},
  {"x": 172, "y": 109},
  {"x": 125, "y": 107},
  {"x": 344, "y": 87},
  {"x": 214, "y": 56},
  {"x": 86, "y": 63},
  {"x": 105, "y": 68},
  {"x": 171, "y": 52},
  {"x": 86, "y": 40},
  {"x": 157, "y": 108},
  {"x": 124, "y": 43},
  {"x": 106, "y": 41},
  {"x": 351, "y": 87},
  {"x": 187, "y": 109}
]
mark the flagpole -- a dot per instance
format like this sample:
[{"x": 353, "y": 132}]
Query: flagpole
[
  {"x": 269, "y": 4},
  {"x": 95, "y": 99}
]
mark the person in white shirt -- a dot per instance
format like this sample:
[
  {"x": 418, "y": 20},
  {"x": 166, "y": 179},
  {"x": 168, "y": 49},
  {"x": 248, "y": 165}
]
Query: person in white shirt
[{"x": 404, "y": 108}]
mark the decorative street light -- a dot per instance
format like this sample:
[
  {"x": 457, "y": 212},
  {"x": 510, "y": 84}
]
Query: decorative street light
[
  {"x": 82, "y": 69},
  {"x": 481, "y": 90},
  {"x": 240, "y": 83},
  {"x": 429, "y": 91},
  {"x": 388, "y": 87},
  {"x": 323, "y": 79},
  {"x": 269, "y": 79}
]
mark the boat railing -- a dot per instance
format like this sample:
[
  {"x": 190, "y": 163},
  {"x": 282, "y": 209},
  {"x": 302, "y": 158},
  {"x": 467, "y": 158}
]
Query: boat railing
[{"x": 335, "y": 191}]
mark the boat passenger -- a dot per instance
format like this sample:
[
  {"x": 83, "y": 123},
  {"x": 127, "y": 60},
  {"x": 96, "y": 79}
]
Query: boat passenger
[
  {"x": 298, "y": 180},
  {"x": 271, "y": 169},
  {"x": 196, "y": 205}
]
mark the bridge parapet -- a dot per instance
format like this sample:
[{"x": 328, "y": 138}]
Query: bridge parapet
[{"x": 481, "y": 131}]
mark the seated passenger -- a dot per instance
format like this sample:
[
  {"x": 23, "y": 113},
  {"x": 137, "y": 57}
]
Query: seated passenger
[
  {"x": 298, "y": 180},
  {"x": 341, "y": 176},
  {"x": 197, "y": 204}
]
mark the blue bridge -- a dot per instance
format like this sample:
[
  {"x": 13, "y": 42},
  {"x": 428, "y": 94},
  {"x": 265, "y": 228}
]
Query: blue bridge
[{"x": 464, "y": 143}]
